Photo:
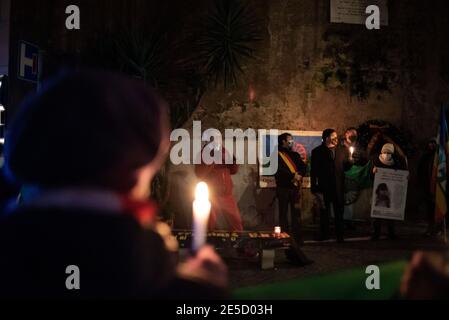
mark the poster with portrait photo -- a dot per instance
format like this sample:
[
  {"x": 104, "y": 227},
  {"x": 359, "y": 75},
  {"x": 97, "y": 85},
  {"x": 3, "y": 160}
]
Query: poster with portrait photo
[{"x": 389, "y": 194}]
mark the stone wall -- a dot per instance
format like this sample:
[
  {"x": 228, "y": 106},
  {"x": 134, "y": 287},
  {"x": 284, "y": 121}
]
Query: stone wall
[{"x": 287, "y": 96}]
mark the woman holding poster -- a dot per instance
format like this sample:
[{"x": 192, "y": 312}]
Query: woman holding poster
[{"x": 382, "y": 196}]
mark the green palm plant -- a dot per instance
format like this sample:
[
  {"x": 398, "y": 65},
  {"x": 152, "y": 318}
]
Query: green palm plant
[
  {"x": 230, "y": 31},
  {"x": 182, "y": 68},
  {"x": 143, "y": 55}
]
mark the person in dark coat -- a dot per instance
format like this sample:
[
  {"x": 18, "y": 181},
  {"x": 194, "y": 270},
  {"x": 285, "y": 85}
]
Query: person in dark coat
[
  {"x": 358, "y": 156},
  {"x": 329, "y": 162},
  {"x": 350, "y": 139},
  {"x": 291, "y": 169},
  {"x": 88, "y": 144}
]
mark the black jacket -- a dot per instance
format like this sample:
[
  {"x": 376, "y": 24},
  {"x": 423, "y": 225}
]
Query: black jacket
[
  {"x": 116, "y": 257},
  {"x": 283, "y": 175},
  {"x": 328, "y": 173}
]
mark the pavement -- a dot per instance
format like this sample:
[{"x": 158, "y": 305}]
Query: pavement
[{"x": 358, "y": 250}]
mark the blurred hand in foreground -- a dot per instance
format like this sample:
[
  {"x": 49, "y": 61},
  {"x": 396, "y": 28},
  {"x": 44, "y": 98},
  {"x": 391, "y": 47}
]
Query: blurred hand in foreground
[
  {"x": 426, "y": 277},
  {"x": 206, "y": 267}
]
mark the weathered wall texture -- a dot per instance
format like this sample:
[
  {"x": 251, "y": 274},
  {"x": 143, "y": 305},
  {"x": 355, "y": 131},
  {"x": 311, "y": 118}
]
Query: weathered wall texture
[
  {"x": 282, "y": 76},
  {"x": 287, "y": 97}
]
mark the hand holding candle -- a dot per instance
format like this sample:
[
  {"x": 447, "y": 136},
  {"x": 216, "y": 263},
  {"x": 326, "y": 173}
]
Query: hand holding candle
[{"x": 201, "y": 211}]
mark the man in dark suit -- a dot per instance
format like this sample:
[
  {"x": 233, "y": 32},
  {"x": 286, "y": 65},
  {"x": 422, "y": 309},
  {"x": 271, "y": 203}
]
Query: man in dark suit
[
  {"x": 289, "y": 175},
  {"x": 329, "y": 162},
  {"x": 291, "y": 170}
]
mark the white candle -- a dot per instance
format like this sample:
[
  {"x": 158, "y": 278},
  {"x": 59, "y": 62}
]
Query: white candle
[
  {"x": 277, "y": 231},
  {"x": 351, "y": 150},
  {"x": 201, "y": 211}
]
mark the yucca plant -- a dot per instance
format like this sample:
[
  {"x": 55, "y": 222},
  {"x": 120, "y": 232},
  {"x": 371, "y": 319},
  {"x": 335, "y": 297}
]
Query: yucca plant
[
  {"x": 143, "y": 55},
  {"x": 197, "y": 59},
  {"x": 230, "y": 31}
]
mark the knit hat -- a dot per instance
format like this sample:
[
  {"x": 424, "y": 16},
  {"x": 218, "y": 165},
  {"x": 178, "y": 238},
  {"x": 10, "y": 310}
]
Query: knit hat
[
  {"x": 84, "y": 127},
  {"x": 388, "y": 148}
]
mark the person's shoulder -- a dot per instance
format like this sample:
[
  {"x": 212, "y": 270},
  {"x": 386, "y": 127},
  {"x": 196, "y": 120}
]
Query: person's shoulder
[
  {"x": 342, "y": 148},
  {"x": 317, "y": 149},
  {"x": 295, "y": 156},
  {"x": 67, "y": 217},
  {"x": 376, "y": 161}
]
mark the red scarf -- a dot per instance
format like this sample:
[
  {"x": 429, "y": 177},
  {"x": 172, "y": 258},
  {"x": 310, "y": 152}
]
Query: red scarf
[{"x": 145, "y": 212}]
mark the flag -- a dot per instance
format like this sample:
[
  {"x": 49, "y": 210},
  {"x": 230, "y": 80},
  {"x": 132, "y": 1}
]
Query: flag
[{"x": 440, "y": 169}]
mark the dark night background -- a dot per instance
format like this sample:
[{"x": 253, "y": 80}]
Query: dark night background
[
  {"x": 261, "y": 64},
  {"x": 284, "y": 65}
]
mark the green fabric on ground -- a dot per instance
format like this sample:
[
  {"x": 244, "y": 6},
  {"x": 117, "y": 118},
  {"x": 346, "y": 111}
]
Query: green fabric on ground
[{"x": 346, "y": 285}]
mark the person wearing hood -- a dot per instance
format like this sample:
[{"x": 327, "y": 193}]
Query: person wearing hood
[
  {"x": 218, "y": 177},
  {"x": 386, "y": 160},
  {"x": 89, "y": 144}
]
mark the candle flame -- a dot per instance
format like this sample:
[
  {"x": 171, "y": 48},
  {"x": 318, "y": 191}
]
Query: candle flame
[
  {"x": 202, "y": 192},
  {"x": 351, "y": 149}
]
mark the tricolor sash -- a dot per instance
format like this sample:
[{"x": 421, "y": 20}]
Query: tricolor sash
[{"x": 289, "y": 162}]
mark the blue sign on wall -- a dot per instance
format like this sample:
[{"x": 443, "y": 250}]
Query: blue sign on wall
[{"x": 28, "y": 62}]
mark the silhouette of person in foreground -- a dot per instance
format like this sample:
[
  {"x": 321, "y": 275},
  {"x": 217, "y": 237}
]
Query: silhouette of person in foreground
[{"x": 89, "y": 144}]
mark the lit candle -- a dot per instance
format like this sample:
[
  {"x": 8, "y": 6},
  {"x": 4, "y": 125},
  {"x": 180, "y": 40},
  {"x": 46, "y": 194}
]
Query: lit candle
[
  {"x": 351, "y": 150},
  {"x": 201, "y": 211},
  {"x": 277, "y": 231}
]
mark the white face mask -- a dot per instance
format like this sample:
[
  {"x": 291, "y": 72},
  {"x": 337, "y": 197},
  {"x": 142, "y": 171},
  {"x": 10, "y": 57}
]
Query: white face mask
[{"x": 386, "y": 156}]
